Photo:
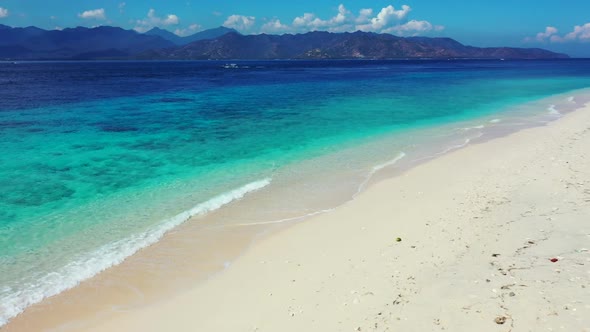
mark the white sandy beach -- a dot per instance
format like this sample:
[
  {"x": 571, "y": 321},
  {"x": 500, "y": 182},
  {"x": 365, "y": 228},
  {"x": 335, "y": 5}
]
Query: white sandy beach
[{"x": 478, "y": 230}]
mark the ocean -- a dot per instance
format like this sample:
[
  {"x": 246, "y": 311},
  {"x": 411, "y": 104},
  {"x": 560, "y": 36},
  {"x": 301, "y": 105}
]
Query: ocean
[{"x": 100, "y": 159}]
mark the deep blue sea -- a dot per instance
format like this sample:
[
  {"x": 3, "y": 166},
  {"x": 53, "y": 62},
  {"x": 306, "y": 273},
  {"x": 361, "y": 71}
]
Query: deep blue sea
[{"x": 100, "y": 159}]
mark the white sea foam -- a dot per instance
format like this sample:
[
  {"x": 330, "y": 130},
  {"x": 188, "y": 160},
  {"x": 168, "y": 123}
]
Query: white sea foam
[
  {"x": 474, "y": 127},
  {"x": 371, "y": 173},
  {"x": 552, "y": 110},
  {"x": 450, "y": 148},
  {"x": 571, "y": 99},
  {"x": 377, "y": 168},
  {"x": 391, "y": 162},
  {"x": 13, "y": 302},
  {"x": 495, "y": 120},
  {"x": 280, "y": 221},
  {"x": 455, "y": 147}
]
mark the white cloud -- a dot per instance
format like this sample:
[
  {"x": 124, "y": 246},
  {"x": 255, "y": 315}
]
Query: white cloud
[
  {"x": 385, "y": 19},
  {"x": 549, "y": 31},
  {"x": 305, "y": 20},
  {"x": 170, "y": 20},
  {"x": 96, "y": 14},
  {"x": 3, "y": 12},
  {"x": 274, "y": 26},
  {"x": 310, "y": 22},
  {"x": 152, "y": 20},
  {"x": 388, "y": 19},
  {"x": 413, "y": 28},
  {"x": 364, "y": 15},
  {"x": 188, "y": 31},
  {"x": 122, "y": 7},
  {"x": 240, "y": 22},
  {"x": 341, "y": 17},
  {"x": 579, "y": 33}
]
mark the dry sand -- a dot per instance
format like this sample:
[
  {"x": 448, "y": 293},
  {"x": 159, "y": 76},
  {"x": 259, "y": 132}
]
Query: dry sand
[{"x": 478, "y": 228}]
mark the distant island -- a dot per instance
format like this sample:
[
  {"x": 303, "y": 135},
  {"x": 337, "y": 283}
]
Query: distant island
[{"x": 113, "y": 43}]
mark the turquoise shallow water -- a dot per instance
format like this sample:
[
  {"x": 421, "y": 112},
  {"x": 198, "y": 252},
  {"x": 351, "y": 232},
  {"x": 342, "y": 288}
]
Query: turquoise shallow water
[{"x": 100, "y": 159}]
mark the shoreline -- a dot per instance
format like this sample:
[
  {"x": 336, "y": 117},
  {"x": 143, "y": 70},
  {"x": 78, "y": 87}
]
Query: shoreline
[
  {"x": 498, "y": 212},
  {"x": 291, "y": 230}
]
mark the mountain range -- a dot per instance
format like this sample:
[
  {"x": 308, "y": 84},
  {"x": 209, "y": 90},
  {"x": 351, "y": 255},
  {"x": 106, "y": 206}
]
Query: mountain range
[
  {"x": 178, "y": 40},
  {"x": 32, "y": 43},
  {"x": 326, "y": 45},
  {"x": 105, "y": 42}
]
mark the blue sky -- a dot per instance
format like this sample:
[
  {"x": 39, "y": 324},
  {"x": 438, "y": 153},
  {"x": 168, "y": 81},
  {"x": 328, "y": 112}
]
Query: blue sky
[{"x": 557, "y": 25}]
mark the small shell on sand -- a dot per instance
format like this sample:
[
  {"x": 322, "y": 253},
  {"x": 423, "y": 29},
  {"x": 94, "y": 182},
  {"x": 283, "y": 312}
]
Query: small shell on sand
[{"x": 500, "y": 320}]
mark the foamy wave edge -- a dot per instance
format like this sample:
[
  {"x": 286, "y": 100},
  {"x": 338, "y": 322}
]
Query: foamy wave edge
[
  {"x": 110, "y": 255},
  {"x": 360, "y": 188},
  {"x": 552, "y": 110},
  {"x": 376, "y": 169}
]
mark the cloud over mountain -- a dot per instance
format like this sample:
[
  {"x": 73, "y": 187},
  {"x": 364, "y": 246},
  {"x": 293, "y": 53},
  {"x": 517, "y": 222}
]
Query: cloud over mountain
[
  {"x": 580, "y": 33},
  {"x": 388, "y": 19},
  {"x": 240, "y": 22},
  {"x": 187, "y": 31},
  {"x": 152, "y": 20},
  {"x": 97, "y": 14}
]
